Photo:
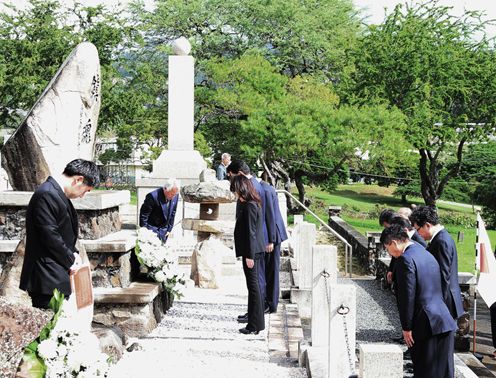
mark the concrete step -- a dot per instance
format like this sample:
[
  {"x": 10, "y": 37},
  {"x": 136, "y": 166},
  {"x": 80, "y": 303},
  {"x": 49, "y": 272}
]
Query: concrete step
[{"x": 136, "y": 293}]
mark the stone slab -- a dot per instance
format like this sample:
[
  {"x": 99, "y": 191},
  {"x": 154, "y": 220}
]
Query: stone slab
[
  {"x": 467, "y": 366},
  {"x": 183, "y": 165},
  {"x": 120, "y": 241},
  {"x": 96, "y": 200},
  {"x": 8, "y": 246},
  {"x": 381, "y": 360},
  {"x": 136, "y": 293},
  {"x": 466, "y": 278},
  {"x": 102, "y": 199}
]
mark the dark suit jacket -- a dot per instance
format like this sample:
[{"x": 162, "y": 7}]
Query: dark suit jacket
[
  {"x": 443, "y": 248},
  {"x": 416, "y": 238},
  {"x": 261, "y": 193},
  {"x": 51, "y": 234},
  {"x": 276, "y": 231},
  {"x": 248, "y": 231},
  {"x": 157, "y": 213},
  {"x": 420, "y": 300}
]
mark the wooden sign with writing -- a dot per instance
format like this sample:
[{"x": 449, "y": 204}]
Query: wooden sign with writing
[{"x": 82, "y": 287}]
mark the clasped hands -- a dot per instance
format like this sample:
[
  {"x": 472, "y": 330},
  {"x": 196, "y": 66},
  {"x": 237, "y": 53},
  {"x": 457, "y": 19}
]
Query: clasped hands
[{"x": 77, "y": 263}]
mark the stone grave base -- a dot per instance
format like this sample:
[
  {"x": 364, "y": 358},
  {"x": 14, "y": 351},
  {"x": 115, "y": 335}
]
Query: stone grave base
[{"x": 136, "y": 310}]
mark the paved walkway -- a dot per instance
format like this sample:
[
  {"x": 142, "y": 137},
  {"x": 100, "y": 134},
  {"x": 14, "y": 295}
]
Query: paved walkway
[{"x": 199, "y": 337}]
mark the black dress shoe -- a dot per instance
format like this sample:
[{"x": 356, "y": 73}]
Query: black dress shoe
[
  {"x": 398, "y": 339},
  {"x": 246, "y": 331},
  {"x": 244, "y": 316},
  {"x": 243, "y": 320},
  {"x": 267, "y": 310}
]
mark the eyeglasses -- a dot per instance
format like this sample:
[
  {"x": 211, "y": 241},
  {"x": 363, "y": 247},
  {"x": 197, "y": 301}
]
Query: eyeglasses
[{"x": 418, "y": 228}]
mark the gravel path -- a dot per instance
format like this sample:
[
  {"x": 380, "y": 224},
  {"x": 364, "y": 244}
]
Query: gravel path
[
  {"x": 377, "y": 316},
  {"x": 199, "y": 337}
]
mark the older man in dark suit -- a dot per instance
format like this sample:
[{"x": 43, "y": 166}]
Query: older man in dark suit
[
  {"x": 52, "y": 230},
  {"x": 425, "y": 319},
  {"x": 276, "y": 234},
  {"x": 158, "y": 211},
  {"x": 442, "y": 246}
]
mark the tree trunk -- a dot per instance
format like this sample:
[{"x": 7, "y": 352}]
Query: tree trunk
[{"x": 300, "y": 186}]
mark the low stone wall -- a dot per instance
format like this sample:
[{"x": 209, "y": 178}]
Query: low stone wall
[
  {"x": 111, "y": 269},
  {"x": 358, "y": 242},
  {"x": 93, "y": 224},
  {"x": 134, "y": 319}
]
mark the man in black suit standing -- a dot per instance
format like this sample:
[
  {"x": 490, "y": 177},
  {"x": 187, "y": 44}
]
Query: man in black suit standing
[
  {"x": 158, "y": 211},
  {"x": 276, "y": 234},
  {"x": 442, "y": 246},
  {"x": 52, "y": 230},
  {"x": 425, "y": 319}
]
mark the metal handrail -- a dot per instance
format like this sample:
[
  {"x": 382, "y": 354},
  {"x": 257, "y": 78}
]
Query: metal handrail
[{"x": 348, "y": 247}]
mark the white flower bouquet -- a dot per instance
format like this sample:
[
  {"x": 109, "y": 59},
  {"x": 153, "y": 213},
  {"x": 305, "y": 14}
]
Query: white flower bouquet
[
  {"x": 64, "y": 349},
  {"x": 160, "y": 260}
]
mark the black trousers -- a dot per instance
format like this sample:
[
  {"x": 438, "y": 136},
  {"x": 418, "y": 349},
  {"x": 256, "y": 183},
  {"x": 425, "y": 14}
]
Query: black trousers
[
  {"x": 434, "y": 357},
  {"x": 41, "y": 300},
  {"x": 272, "y": 268},
  {"x": 262, "y": 283},
  {"x": 256, "y": 321},
  {"x": 492, "y": 311}
]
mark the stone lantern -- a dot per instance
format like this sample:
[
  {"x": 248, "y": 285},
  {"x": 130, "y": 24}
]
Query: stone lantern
[{"x": 206, "y": 261}]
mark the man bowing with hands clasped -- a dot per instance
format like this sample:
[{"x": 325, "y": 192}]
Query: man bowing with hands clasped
[
  {"x": 52, "y": 230},
  {"x": 425, "y": 319}
]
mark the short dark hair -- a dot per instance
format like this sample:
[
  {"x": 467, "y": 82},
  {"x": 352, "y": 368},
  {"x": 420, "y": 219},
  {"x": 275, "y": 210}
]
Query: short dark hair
[
  {"x": 393, "y": 232},
  {"x": 386, "y": 215},
  {"x": 85, "y": 168},
  {"x": 245, "y": 189},
  {"x": 237, "y": 166},
  {"x": 405, "y": 223},
  {"x": 424, "y": 214}
]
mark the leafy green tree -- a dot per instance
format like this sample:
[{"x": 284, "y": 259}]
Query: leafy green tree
[
  {"x": 297, "y": 37},
  {"x": 39, "y": 37},
  {"x": 295, "y": 126},
  {"x": 428, "y": 64}
]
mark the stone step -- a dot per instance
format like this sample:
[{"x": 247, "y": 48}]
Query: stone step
[
  {"x": 136, "y": 293},
  {"x": 120, "y": 241}
]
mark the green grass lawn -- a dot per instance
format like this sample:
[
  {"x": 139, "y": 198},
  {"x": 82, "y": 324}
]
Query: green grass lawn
[{"x": 365, "y": 197}]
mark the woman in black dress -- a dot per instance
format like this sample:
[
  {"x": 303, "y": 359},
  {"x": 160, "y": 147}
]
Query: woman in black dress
[{"x": 249, "y": 244}]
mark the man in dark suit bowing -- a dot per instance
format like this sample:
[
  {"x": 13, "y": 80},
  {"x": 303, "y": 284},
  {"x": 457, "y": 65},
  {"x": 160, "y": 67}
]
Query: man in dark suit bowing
[
  {"x": 276, "y": 234},
  {"x": 425, "y": 319},
  {"x": 442, "y": 246},
  {"x": 158, "y": 210},
  {"x": 52, "y": 230}
]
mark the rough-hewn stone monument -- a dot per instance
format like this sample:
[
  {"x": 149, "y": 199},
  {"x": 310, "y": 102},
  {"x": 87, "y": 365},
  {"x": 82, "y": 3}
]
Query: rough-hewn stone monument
[{"x": 61, "y": 126}]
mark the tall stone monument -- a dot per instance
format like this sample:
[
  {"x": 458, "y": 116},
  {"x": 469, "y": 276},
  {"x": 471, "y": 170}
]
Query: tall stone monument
[
  {"x": 61, "y": 126},
  {"x": 180, "y": 160}
]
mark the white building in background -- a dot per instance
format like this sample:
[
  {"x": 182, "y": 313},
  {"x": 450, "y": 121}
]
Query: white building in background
[{"x": 124, "y": 172}]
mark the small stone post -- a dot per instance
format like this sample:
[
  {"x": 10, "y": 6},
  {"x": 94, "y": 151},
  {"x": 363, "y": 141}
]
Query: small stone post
[
  {"x": 342, "y": 330},
  {"x": 381, "y": 361},
  {"x": 324, "y": 273},
  {"x": 308, "y": 232},
  {"x": 298, "y": 218}
]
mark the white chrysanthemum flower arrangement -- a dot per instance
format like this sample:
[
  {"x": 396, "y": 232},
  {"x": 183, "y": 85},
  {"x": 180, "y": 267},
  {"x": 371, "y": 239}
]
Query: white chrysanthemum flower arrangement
[
  {"x": 160, "y": 261},
  {"x": 65, "y": 349}
]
